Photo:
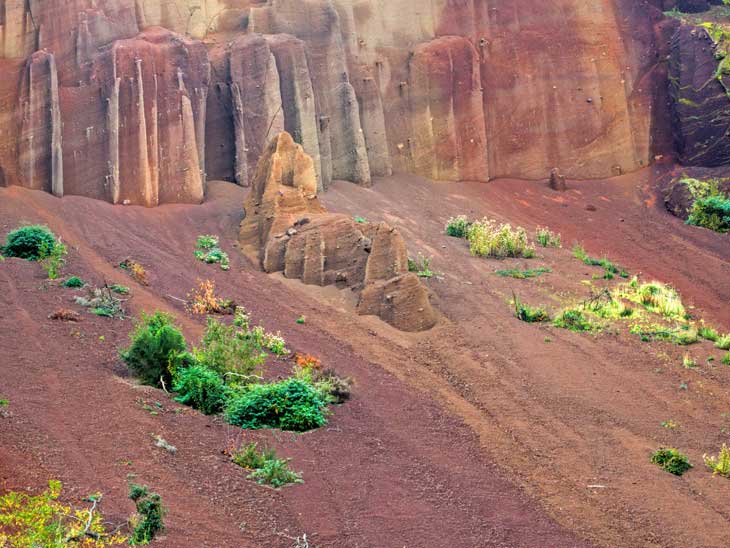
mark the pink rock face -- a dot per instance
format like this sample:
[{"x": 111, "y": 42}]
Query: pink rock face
[
  {"x": 449, "y": 89},
  {"x": 447, "y": 111}
]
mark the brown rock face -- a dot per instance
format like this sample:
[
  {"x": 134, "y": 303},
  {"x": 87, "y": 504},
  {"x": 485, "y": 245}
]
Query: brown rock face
[{"x": 287, "y": 230}]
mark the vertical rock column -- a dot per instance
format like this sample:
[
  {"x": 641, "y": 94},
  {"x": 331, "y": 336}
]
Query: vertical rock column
[
  {"x": 154, "y": 91},
  {"x": 256, "y": 96},
  {"x": 40, "y": 146},
  {"x": 342, "y": 143},
  {"x": 297, "y": 96}
]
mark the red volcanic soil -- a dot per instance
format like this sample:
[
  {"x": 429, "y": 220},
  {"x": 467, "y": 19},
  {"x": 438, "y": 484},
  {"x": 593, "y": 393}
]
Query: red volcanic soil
[
  {"x": 475, "y": 433},
  {"x": 392, "y": 467}
]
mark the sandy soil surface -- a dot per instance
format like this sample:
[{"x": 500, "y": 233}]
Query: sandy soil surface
[
  {"x": 580, "y": 410},
  {"x": 476, "y": 433},
  {"x": 393, "y": 467}
]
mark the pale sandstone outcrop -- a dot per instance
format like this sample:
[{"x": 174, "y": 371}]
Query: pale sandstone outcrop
[{"x": 286, "y": 229}]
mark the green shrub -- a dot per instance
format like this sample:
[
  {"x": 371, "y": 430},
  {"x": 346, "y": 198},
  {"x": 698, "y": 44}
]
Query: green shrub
[
  {"x": 291, "y": 404},
  {"x": 457, "y": 227},
  {"x": 74, "y": 281},
  {"x": 157, "y": 346},
  {"x": 671, "y": 460},
  {"x": 265, "y": 468},
  {"x": 719, "y": 465},
  {"x": 52, "y": 258},
  {"x": 421, "y": 265},
  {"x": 547, "y": 238},
  {"x": 712, "y": 212},
  {"x": 574, "y": 320},
  {"x": 26, "y": 242},
  {"x": 489, "y": 239},
  {"x": 723, "y": 343},
  {"x": 120, "y": 289},
  {"x": 528, "y": 314},
  {"x": 150, "y": 514},
  {"x": 708, "y": 333},
  {"x": 684, "y": 337},
  {"x": 42, "y": 521},
  {"x": 725, "y": 359},
  {"x": 231, "y": 351},
  {"x": 208, "y": 250},
  {"x": 200, "y": 388}
]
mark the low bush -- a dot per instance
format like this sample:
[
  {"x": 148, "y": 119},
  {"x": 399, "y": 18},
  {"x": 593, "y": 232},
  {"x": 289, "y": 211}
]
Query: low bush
[
  {"x": 291, "y": 404},
  {"x": 689, "y": 362},
  {"x": 203, "y": 300},
  {"x": 547, "y": 238},
  {"x": 457, "y": 227},
  {"x": 234, "y": 352},
  {"x": 74, "y": 282},
  {"x": 136, "y": 271},
  {"x": 28, "y": 521},
  {"x": 671, "y": 460},
  {"x": 27, "y": 242},
  {"x": 157, "y": 347},
  {"x": 708, "y": 333},
  {"x": 527, "y": 313},
  {"x": 52, "y": 258},
  {"x": 719, "y": 465},
  {"x": 150, "y": 513},
  {"x": 265, "y": 468},
  {"x": 489, "y": 239},
  {"x": 575, "y": 320},
  {"x": 712, "y": 212},
  {"x": 200, "y": 388},
  {"x": 421, "y": 266},
  {"x": 725, "y": 359},
  {"x": 101, "y": 302},
  {"x": 723, "y": 343},
  {"x": 208, "y": 250}
]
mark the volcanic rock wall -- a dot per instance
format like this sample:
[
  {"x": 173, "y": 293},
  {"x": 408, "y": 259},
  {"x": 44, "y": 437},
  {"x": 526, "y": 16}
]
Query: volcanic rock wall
[{"x": 141, "y": 101}]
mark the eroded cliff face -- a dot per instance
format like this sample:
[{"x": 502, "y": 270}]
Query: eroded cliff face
[{"x": 141, "y": 101}]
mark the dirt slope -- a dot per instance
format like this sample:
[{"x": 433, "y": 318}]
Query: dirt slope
[
  {"x": 392, "y": 468},
  {"x": 579, "y": 410}
]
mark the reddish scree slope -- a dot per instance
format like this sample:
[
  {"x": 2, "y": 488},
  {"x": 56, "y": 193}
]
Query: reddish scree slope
[
  {"x": 390, "y": 469},
  {"x": 439, "y": 419}
]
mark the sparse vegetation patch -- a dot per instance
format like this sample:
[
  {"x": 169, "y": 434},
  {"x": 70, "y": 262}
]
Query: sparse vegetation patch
[
  {"x": 265, "y": 467},
  {"x": 487, "y": 238},
  {"x": 207, "y": 249}
]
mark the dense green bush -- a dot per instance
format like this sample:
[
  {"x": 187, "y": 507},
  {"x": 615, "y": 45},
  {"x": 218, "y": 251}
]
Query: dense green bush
[
  {"x": 201, "y": 388},
  {"x": 27, "y": 242},
  {"x": 150, "y": 513},
  {"x": 157, "y": 347},
  {"x": 671, "y": 460},
  {"x": 74, "y": 282},
  {"x": 457, "y": 226},
  {"x": 712, "y": 212},
  {"x": 291, "y": 404}
]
